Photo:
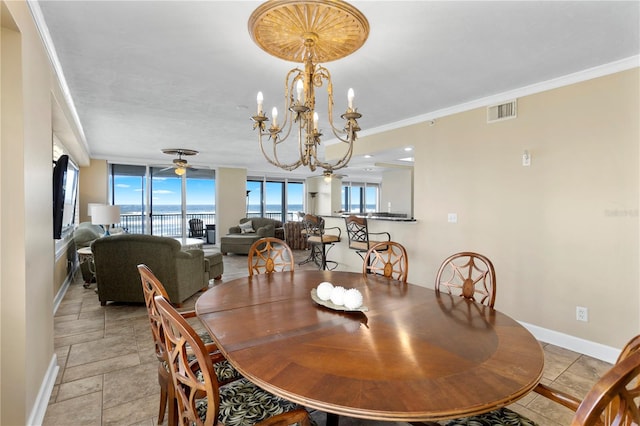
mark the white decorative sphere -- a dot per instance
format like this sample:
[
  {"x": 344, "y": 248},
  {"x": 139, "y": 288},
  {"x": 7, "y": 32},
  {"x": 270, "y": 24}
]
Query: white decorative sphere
[
  {"x": 337, "y": 295},
  {"x": 324, "y": 290},
  {"x": 352, "y": 298}
]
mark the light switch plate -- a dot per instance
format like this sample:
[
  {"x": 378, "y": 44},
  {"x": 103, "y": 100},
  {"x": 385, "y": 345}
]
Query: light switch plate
[{"x": 452, "y": 218}]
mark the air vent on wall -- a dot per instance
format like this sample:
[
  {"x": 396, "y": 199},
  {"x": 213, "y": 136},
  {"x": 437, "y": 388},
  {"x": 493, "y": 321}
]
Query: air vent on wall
[{"x": 504, "y": 111}]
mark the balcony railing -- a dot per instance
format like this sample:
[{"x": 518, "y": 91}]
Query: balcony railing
[
  {"x": 170, "y": 224},
  {"x": 165, "y": 225}
]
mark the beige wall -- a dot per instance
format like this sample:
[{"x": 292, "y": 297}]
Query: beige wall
[
  {"x": 231, "y": 200},
  {"x": 27, "y": 261},
  {"x": 93, "y": 186},
  {"x": 396, "y": 191},
  {"x": 563, "y": 232}
]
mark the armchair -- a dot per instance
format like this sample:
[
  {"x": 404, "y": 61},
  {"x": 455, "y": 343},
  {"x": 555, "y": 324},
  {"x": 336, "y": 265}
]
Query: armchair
[{"x": 117, "y": 257}]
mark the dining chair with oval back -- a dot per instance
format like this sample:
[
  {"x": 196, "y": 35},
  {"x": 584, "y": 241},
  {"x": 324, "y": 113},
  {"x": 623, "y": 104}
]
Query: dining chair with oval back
[
  {"x": 388, "y": 258},
  {"x": 269, "y": 255},
  {"x": 613, "y": 401},
  {"x": 152, "y": 287},
  {"x": 200, "y": 398},
  {"x": 572, "y": 402},
  {"x": 469, "y": 275}
]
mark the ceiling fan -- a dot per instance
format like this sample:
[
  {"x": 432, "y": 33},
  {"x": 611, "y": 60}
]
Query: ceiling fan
[
  {"x": 330, "y": 174},
  {"x": 179, "y": 164}
]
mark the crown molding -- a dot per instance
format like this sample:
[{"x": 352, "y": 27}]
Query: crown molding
[{"x": 577, "y": 77}]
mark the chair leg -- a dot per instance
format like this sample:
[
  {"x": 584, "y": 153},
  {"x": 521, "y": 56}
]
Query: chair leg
[
  {"x": 163, "y": 381},
  {"x": 311, "y": 256},
  {"x": 324, "y": 263}
]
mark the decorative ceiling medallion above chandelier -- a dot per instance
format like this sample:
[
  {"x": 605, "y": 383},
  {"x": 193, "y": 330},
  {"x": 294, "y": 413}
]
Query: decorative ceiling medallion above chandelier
[{"x": 308, "y": 32}]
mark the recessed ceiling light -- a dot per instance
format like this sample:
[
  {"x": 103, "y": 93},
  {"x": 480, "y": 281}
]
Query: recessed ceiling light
[
  {"x": 368, "y": 156},
  {"x": 408, "y": 159},
  {"x": 408, "y": 149}
]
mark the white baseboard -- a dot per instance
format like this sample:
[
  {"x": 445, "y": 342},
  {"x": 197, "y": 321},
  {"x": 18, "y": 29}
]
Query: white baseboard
[
  {"x": 44, "y": 394},
  {"x": 64, "y": 287},
  {"x": 576, "y": 344}
]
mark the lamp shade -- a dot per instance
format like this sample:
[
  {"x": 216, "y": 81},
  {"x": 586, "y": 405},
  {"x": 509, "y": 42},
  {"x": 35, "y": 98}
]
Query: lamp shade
[
  {"x": 90, "y": 207},
  {"x": 105, "y": 215}
]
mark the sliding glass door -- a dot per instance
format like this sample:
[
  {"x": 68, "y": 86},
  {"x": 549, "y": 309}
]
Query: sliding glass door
[{"x": 151, "y": 199}]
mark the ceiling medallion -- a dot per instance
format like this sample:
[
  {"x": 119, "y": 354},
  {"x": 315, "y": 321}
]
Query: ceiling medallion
[{"x": 308, "y": 32}]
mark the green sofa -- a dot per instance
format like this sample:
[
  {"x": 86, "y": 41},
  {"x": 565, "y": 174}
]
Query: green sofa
[
  {"x": 240, "y": 242},
  {"x": 183, "y": 273}
]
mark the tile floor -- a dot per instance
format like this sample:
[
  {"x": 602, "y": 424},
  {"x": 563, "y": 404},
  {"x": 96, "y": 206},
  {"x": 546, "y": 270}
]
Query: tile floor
[{"x": 108, "y": 370}]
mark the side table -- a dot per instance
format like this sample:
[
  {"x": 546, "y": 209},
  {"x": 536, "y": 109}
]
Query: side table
[{"x": 85, "y": 255}]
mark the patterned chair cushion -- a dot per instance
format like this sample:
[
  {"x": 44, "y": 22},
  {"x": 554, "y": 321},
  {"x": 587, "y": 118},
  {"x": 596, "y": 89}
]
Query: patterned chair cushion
[
  {"x": 224, "y": 371},
  {"x": 499, "y": 417},
  {"x": 243, "y": 404}
]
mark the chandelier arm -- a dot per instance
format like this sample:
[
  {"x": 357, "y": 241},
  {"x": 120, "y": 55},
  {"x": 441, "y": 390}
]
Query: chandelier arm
[{"x": 275, "y": 161}]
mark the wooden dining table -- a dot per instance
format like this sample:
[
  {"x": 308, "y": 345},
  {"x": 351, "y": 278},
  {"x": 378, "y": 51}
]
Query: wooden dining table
[{"x": 414, "y": 355}]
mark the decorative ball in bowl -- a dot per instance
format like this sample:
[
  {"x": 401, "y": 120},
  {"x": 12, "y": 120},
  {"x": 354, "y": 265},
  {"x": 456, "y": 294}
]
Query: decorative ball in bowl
[
  {"x": 338, "y": 298},
  {"x": 324, "y": 290}
]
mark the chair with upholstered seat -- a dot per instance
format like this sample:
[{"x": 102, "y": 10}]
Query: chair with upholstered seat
[
  {"x": 613, "y": 400},
  {"x": 572, "y": 402},
  {"x": 470, "y": 275},
  {"x": 359, "y": 236},
  {"x": 200, "y": 398},
  {"x": 196, "y": 228},
  {"x": 388, "y": 259},
  {"x": 269, "y": 255},
  {"x": 225, "y": 373},
  {"x": 320, "y": 241}
]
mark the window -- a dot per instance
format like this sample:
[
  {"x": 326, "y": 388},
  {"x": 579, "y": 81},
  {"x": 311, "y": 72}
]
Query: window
[
  {"x": 151, "y": 202},
  {"x": 275, "y": 199},
  {"x": 360, "y": 197}
]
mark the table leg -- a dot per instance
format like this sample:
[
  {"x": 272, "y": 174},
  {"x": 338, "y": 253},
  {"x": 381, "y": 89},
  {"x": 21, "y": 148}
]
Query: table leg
[{"x": 332, "y": 419}]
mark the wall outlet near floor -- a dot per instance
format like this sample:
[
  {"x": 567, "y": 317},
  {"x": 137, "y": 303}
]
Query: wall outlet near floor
[
  {"x": 582, "y": 314},
  {"x": 452, "y": 218}
]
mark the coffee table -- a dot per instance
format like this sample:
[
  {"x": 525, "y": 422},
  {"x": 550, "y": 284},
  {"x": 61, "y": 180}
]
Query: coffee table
[{"x": 415, "y": 355}]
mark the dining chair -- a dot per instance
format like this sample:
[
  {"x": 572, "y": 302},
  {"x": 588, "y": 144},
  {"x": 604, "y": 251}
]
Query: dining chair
[
  {"x": 359, "y": 235},
  {"x": 388, "y": 259},
  {"x": 614, "y": 400},
  {"x": 200, "y": 398},
  {"x": 225, "y": 373},
  {"x": 269, "y": 255},
  {"x": 470, "y": 275},
  {"x": 320, "y": 241},
  {"x": 570, "y": 401}
]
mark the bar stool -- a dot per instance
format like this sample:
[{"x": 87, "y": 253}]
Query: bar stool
[{"x": 318, "y": 239}]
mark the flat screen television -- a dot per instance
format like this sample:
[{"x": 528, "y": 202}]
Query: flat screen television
[{"x": 65, "y": 191}]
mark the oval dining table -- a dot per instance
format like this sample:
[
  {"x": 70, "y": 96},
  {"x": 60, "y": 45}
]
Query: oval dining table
[{"x": 413, "y": 355}]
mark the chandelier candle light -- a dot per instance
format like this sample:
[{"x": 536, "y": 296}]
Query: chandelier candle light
[{"x": 309, "y": 31}]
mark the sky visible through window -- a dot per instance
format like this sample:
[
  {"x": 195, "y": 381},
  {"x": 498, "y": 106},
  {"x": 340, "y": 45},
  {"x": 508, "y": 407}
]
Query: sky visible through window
[{"x": 167, "y": 191}]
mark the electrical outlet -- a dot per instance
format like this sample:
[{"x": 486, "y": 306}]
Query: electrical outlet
[
  {"x": 582, "y": 313},
  {"x": 452, "y": 218}
]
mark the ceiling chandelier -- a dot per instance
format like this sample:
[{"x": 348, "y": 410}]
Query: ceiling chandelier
[{"x": 308, "y": 32}]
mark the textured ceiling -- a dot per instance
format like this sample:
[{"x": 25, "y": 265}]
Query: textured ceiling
[{"x": 148, "y": 75}]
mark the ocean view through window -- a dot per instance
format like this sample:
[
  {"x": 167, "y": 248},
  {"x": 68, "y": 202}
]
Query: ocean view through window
[{"x": 150, "y": 198}]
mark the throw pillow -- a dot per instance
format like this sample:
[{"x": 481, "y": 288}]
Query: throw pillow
[{"x": 246, "y": 227}]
